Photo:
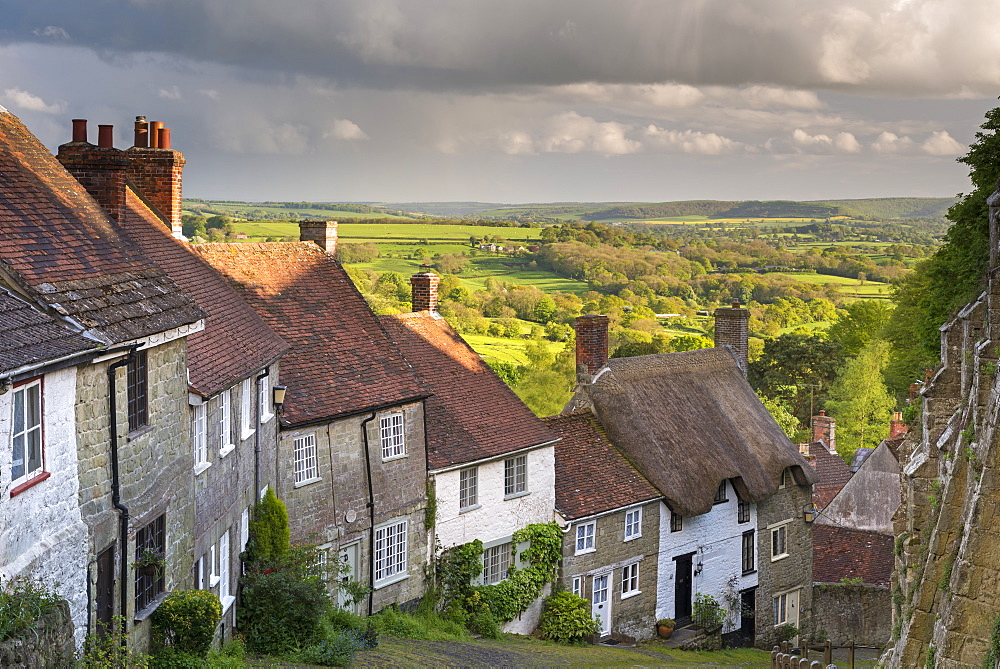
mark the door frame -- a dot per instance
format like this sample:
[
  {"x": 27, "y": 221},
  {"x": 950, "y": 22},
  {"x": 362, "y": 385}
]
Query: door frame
[
  {"x": 678, "y": 559},
  {"x": 608, "y": 589},
  {"x": 354, "y": 546}
]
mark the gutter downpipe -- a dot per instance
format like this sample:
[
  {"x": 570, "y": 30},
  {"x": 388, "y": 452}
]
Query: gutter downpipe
[
  {"x": 371, "y": 514},
  {"x": 256, "y": 437},
  {"x": 116, "y": 497}
]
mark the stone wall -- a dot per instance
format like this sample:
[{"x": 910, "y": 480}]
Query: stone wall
[
  {"x": 49, "y": 644},
  {"x": 858, "y": 613}
]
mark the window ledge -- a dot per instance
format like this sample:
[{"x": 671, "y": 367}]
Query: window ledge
[
  {"x": 213, "y": 580},
  {"x": 631, "y": 594},
  {"x": 148, "y": 611},
  {"x": 633, "y": 537},
  {"x": 135, "y": 434},
  {"x": 201, "y": 466},
  {"x": 308, "y": 481},
  {"x": 246, "y": 434},
  {"x": 266, "y": 417},
  {"x": 585, "y": 551},
  {"x": 227, "y": 602},
  {"x": 396, "y": 457},
  {"x": 21, "y": 487},
  {"x": 775, "y": 558},
  {"x": 466, "y": 509},
  {"x": 401, "y": 576},
  {"x": 226, "y": 450},
  {"x": 515, "y": 495},
  {"x": 749, "y": 573}
]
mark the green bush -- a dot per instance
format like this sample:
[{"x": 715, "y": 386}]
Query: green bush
[
  {"x": 185, "y": 621},
  {"x": 173, "y": 658},
  {"x": 707, "y": 612},
  {"x": 269, "y": 532},
  {"x": 567, "y": 618},
  {"x": 485, "y": 625},
  {"x": 430, "y": 625},
  {"x": 106, "y": 650},
  {"x": 22, "y": 602},
  {"x": 336, "y": 648},
  {"x": 345, "y": 620}
]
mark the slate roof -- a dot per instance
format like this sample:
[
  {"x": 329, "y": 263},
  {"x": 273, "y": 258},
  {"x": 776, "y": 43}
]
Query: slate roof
[
  {"x": 840, "y": 553},
  {"x": 31, "y": 337},
  {"x": 591, "y": 475},
  {"x": 59, "y": 246},
  {"x": 471, "y": 414},
  {"x": 236, "y": 342},
  {"x": 832, "y": 473},
  {"x": 690, "y": 420},
  {"x": 341, "y": 361}
]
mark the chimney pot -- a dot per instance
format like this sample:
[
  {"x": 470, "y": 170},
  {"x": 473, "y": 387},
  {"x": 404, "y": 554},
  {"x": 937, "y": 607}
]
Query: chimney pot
[
  {"x": 164, "y": 138},
  {"x": 106, "y": 136},
  {"x": 425, "y": 291},
  {"x": 79, "y": 130},
  {"x": 825, "y": 431},
  {"x": 591, "y": 343},
  {"x": 323, "y": 233},
  {"x": 154, "y": 134},
  {"x": 141, "y": 132}
]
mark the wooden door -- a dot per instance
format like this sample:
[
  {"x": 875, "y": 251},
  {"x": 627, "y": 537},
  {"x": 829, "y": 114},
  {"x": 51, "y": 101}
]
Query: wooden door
[
  {"x": 682, "y": 589},
  {"x": 105, "y": 598}
]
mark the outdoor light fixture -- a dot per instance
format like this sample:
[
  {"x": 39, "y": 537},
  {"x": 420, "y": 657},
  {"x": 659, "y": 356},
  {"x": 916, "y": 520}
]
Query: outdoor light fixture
[
  {"x": 279, "y": 397},
  {"x": 810, "y": 512}
]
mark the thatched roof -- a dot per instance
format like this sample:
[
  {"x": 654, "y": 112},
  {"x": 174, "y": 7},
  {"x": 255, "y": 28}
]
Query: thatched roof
[{"x": 690, "y": 420}]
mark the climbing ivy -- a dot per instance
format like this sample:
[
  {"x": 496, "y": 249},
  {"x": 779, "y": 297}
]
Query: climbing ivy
[{"x": 993, "y": 656}]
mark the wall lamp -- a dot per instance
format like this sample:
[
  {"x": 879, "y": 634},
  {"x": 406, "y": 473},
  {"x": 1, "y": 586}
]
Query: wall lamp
[
  {"x": 809, "y": 511},
  {"x": 279, "y": 397}
]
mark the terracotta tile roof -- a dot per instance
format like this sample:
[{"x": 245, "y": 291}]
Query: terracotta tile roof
[
  {"x": 592, "y": 476},
  {"x": 58, "y": 245},
  {"x": 236, "y": 342},
  {"x": 832, "y": 473},
  {"x": 341, "y": 361},
  {"x": 33, "y": 337},
  {"x": 839, "y": 553},
  {"x": 472, "y": 414}
]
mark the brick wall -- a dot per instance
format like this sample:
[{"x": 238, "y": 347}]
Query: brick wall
[
  {"x": 324, "y": 233},
  {"x": 592, "y": 342},
  {"x": 732, "y": 330},
  {"x": 858, "y": 613},
  {"x": 101, "y": 171},
  {"x": 157, "y": 174},
  {"x": 425, "y": 291}
]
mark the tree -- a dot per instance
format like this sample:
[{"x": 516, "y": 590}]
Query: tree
[
  {"x": 269, "y": 532},
  {"x": 794, "y": 366},
  {"x": 860, "y": 401},
  {"x": 862, "y": 321}
]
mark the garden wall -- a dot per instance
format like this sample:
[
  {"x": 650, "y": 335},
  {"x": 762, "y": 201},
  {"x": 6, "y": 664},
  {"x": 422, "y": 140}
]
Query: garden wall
[
  {"x": 858, "y": 613},
  {"x": 48, "y": 644}
]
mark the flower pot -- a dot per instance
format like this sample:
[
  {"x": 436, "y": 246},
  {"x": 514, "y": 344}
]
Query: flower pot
[
  {"x": 664, "y": 632},
  {"x": 151, "y": 571}
]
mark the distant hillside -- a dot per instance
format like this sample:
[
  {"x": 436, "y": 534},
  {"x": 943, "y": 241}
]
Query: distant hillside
[
  {"x": 783, "y": 209},
  {"x": 897, "y": 207},
  {"x": 639, "y": 210},
  {"x": 445, "y": 209}
]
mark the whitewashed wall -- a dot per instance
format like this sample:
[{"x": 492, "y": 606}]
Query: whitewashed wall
[
  {"x": 716, "y": 539},
  {"x": 496, "y": 517},
  {"x": 41, "y": 531}
]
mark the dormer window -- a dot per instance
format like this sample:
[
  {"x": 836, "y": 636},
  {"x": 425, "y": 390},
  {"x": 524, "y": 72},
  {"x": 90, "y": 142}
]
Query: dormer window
[{"x": 720, "y": 494}]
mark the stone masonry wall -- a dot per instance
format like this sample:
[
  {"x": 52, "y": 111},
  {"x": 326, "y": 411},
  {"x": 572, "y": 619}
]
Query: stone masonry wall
[
  {"x": 48, "y": 644},
  {"x": 858, "y": 613}
]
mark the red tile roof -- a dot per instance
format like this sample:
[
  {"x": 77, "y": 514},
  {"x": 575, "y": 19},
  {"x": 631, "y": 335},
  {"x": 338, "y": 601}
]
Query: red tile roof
[
  {"x": 832, "y": 473},
  {"x": 236, "y": 342},
  {"x": 60, "y": 247},
  {"x": 472, "y": 414},
  {"x": 341, "y": 361},
  {"x": 592, "y": 476},
  {"x": 32, "y": 337},
  {"x": 840, "y": 553}
]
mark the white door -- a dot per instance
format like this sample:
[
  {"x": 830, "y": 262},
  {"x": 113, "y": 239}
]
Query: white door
[
  {"x": 600, "y": 602},
  {"x": 793, "y": 612},
  {"x": 348, "y": 556}
]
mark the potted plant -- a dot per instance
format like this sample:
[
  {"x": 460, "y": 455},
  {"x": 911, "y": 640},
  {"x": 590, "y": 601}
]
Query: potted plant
[
  {"x": 665, "y": 627},
  {"x": 149, "y": 561}
]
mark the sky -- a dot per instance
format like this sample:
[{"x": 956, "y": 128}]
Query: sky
[{"x": 519, "y": 101}]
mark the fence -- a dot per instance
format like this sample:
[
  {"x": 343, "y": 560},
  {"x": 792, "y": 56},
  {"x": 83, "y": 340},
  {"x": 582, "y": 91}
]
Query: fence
[{"x": 787, "y": 657}]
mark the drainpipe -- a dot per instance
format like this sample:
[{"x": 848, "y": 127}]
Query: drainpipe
[
  {"x": 256, "y": 437},
  {"x": 116, "y": 497},
  {"x": 371, "y": 514}
]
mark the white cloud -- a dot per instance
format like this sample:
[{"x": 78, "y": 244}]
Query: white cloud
[
  {"x": 346, "y": 130},
  {"x": 516, "y": 142},
  {"x": 52, "y": 32},
  {"x": 690, "y": 141},
  {"x": 845, "y": 142},
  {"x": 804, "y": 139},
  {"x": 940, "y": 143},
  {"x": 572, "y": 133},
  {"x": 772, "y": 97},
  {"x": 210, "y": 93},
  {"x": 172, "y": 93},
  {"x": 890, "y": 142},
  {"x": 25, "y": 100}
]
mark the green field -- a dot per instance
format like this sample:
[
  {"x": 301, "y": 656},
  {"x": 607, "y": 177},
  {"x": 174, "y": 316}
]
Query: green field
[
  {"x": 381, "y": 232},
  {"x": 495, "y": 349}
]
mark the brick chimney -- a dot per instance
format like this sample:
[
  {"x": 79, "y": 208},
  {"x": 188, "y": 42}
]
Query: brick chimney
[
  {"x": 824, "y": 431},
  {"x": 425, "y": 291},
  {"x": 323, "y": 233},
  {"x": 155, "y": 171},
  {"x": 591, "y": 344},
  {"x": 100, "y": 169},
  {"x": 732, "y": 329},
  {"x": 897, "y": 427}
]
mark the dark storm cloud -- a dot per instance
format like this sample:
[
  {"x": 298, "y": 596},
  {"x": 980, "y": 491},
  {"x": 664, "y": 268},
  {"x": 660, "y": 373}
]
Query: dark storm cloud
[{"x": 898, "y": 47}]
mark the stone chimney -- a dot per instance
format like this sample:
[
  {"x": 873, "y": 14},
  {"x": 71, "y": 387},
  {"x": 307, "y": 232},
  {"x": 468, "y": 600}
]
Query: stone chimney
[
  {"x": 425, "y": 291},
  {"x": 323, "y": 233},
  {"x": 732, "y": 329},
  {"x": 824, "y": 431},
  {"x": 155, "y": 171},
  {"x": 897, "y": 427},
  {"x": 100, "y": 169},
  {"x": 591, "y": 344}
]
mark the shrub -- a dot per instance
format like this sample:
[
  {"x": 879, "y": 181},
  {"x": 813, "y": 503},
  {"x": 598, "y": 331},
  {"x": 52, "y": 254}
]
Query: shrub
[
  {"x": 345, "y": 620},
  {"x": 566, "y": 618},
  {"x": 430, "y": 625},
  {"x": 102, "y": 651},
  {"x": 173, "y": 658},
  {"x": 185, "y": 621},
  {"x": 269, "y": 533},
  {"x": 707, "y": 612},
  {"x": 485, "y": 625},
  {"x": 335, "y": 649},
  {"x": 22, "y": 602}
]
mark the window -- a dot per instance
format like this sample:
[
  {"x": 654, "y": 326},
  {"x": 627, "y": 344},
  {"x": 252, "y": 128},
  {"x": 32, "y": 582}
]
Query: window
[
  {"x": 224, "y": 576},
  {"x": 630, "y": 580},
  {"x": 748, "y": 552},
  {"x": 585, "y": 538},
  {"x": 779, "y": 542},
  {"x": 633, "y": 524},
  {"x": 742, "y": 512},
  {"x": 26, "y": 433},
  {"x": 496, "y": 563},
  {"x": 305, "y": 459},
  {"x": 199, "y": 438},
  {"x": 244, "y": 529},
  {"x": 784, "y": 608},
  {"x": 391, "y": 432},
  {"x": 720, "y": 494},
  {"x": 246, "y": 412},
  {"x": 786, "y": 478},
  {"x": 676, "y": 522},
  {"x": 515, "y": 475},
  {"x": 137, "y": 387},
  {"x": 578, "y": 586},
  {"x": 225, "y": 425},
  {"x": 468, "y": 488},
  {"x": 150, "y": 582},
  {"x": 264, "y": 399},
  {"x": 390, "y": 551},
  {"x": 213, "y": 567}
]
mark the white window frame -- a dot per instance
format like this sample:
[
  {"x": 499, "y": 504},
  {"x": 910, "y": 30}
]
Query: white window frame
[
  {"x": 496, "y": 563},
  {"x": 779, "y": 540},
  {"x": 586, "y": 541},
  {"x": 633, "y": 524},
  {"x": 201, "y": 574},
  {"x": 199, "y": 437},
  {"x": 305, "y": 465},
  {"x": 246, "y": 410},
  {"x": 578, "y": 586},
  {"x": 390, "y": 549},
  {"x": 264, "y": 399},
  {"x": 780, "y": 605},
  {"x": 244, "y": 528},
  {"x": 515, "y": 476},
  {"x": 24, "y": 431},
  {"x": 213, "y": 577},
  {"x": 392, "y": 436},
  {"x": 468, "y": 489},
  {"x": 630, "y": 580},
  {"x": 226, "y": 444},
  {"x": 225, "y": 575}
]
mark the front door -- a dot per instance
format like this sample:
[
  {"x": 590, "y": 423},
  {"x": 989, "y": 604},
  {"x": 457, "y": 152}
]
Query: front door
[
  {"x": 105, "y": 589},
  {"x": 793, "y": 613},
  {"x": 349, "y": 557},
  {"x": 682, "y": 589},
  {"x": 748, "y": 606},
  {"x": 600, "y": 603}
]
